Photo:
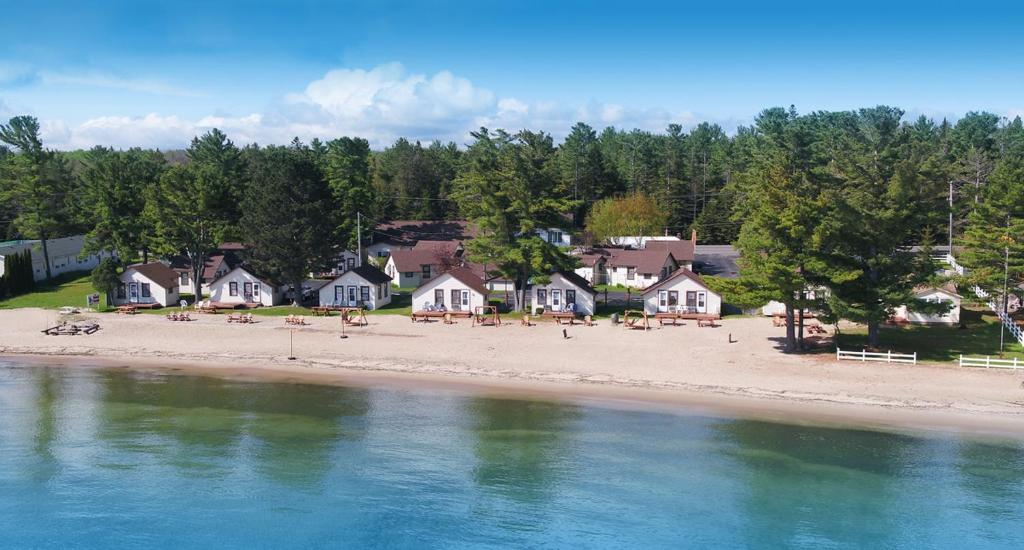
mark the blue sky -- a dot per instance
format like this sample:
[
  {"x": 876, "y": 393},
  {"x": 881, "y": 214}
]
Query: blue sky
[{"x": 154, "y": 73}]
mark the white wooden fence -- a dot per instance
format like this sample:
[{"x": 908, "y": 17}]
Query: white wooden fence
[
  {"x": 989, "y": 363},
  {"x": 887, "y": 357},
  {"x": 1015, "y": 330}
]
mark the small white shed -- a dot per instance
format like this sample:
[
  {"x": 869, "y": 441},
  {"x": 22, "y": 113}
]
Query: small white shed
[
  {"x": 364, "y": 286},
  {"x": 457, "y": 290},
  {"x": 942, "y": 294},
  {"x": 682, "y": 292},
  {"x": 147, "y": 284},
  {"x": 239, "y": 286}
]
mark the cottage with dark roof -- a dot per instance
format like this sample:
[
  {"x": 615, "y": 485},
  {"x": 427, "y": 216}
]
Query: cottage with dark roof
[
  {"x": 242, "y": 286},
  {"x": 565, "y": 292},
  {"x": 364, "y": 286},
  {"x": 639, "y": 268},
  {"x": 152, "y": 284},
  {"x": 682, "y": 292},
  {"x": 456, "y": 290}
]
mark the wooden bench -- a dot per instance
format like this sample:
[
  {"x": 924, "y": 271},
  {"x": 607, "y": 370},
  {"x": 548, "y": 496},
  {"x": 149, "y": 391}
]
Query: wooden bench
[
  {"x": 426, "y": 316},
  {"x": 668, "y": 317}
]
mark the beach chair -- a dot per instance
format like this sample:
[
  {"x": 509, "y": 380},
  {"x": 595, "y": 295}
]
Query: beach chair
[
  {"x": 448, "y": 319},
  {"x": 588, "y": 321},
  {"x": 234, "y": 317},
  {"x": 526, "y": 321}
]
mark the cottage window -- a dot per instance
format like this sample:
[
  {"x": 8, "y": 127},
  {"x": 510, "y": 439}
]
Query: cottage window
[
  {"x": 426, "y": 271},
  {"x": 630, "y": 273},
  {"x": 183, "y": 279},
  {"x": 380, "y": 291},
  {"x": 387, "y": 289},
  {"x": 647, "y": 276},
  {"x": 121, "y": 292},
  {"x": 233, "y": 288},
  {"x": 408, "y": 274},
  {"x": 350, "y": 262},
  {"x": 364, "y": 294},
  {"x": 555, "y": 237},
  {"x": 438, "y": 296},
  {"x": 145, "y": 290}
]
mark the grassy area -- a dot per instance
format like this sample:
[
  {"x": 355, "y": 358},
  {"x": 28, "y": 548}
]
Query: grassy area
[
  {"x": 69, "y": 289},
  {"x": 940, "y": 343}
]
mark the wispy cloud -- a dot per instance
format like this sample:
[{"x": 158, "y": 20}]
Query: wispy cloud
[{"x": 143, "y": 85}]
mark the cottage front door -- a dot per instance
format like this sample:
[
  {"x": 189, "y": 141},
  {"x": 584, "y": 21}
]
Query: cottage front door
[
  {"x": 133, "y": 293},
  {"x": 457, "y": 300},
  {"x": 351, "y": 296}
]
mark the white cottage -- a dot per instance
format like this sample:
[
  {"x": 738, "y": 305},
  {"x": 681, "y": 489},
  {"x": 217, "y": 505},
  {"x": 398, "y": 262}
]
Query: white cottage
[
  {"x": 639, "y": 268},
  {"x": 682, "y": 292},
  {"x": 566, "y": 291},
  {"x": 149, "y": 284},
  {"x": 240, "y": 286},
  {"x": 457, "y": 290},
  {"x": 942, "y": 294},
  {"x": 364, "y": 286}
]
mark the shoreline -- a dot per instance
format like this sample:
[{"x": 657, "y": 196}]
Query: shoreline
[
  {"x": 677, "y": 369},
  {"x": 818, "y": 413}
]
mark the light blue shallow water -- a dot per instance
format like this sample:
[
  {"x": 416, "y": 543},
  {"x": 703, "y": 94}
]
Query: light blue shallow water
[{"x": 111, "y": 458}]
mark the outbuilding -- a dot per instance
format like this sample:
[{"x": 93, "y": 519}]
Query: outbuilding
[
  {"x": 364, "y": 286},
  {"x": 945, "y": 294}
]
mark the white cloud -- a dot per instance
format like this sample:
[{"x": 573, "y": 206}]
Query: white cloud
[
  {"x": 144, "y": 85},
  {"x": 379, "y": 104}
]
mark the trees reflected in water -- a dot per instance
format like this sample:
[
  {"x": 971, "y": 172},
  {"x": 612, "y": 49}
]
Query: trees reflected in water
[
  {"x": 213, "y": 427},
  {"x": 523, "y": 448}
]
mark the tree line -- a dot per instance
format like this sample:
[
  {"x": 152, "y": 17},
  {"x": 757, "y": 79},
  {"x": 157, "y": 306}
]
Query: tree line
[{"x": 826, "y": 200}]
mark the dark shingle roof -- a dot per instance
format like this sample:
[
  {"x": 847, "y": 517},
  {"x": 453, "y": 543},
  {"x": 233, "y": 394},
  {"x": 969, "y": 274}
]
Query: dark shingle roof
[
  {"x": 645, "y": 261},
  {"x": 676, "y": 275},
  {"x": 682, "y": 251},
  {"x": 158, "y": 273},
  {"x": 468, "y": 278},
  {"x": 371, "y": 274},
  {"x": 575, "y": 279}
]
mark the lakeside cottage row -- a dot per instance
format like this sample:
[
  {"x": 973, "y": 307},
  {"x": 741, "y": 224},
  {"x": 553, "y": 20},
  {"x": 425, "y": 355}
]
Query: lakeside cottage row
[{"x": 429, "y": 258}]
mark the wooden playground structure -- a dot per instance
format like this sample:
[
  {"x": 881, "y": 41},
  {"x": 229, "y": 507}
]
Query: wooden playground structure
[
  {"x": 636, "y": 320},
  {"x": 353, "y": 316},
  {"x": 486, "y": 316}
]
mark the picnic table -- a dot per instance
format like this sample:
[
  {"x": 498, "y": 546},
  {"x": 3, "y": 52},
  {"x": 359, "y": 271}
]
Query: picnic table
[
  {"x": 321, "y": 311},
  {"x": 127, "y": 310},
  {"x": 560, "y": 316},
  {"x": 668, "y": 316}
]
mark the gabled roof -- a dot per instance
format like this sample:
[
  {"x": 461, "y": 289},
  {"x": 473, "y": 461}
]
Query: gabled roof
[
  {"x": 578, "y": 281},
  {"x": 682, "y": 251},
  {"x": 948, "y": 287},
  {"x": 412, "y": 260},
  {"x": 645, "y": 261},
  {"x": 434, "y": 245},
  {"x": 465, "y": 276},
  {"x": 212, "y": 263},
  {"x": 267, "y": 280},
  {"x": 368, "y": 273},
  {"x": 158, "y": 273},
  {"x": 675, "y": 276}
]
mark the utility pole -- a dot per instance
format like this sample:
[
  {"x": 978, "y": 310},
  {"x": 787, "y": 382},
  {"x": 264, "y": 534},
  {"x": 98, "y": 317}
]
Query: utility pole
[
  {"x": 1006, "y": 278},
  {"x": 950, "y": 217},
  {"x": 359, "y": 239}
]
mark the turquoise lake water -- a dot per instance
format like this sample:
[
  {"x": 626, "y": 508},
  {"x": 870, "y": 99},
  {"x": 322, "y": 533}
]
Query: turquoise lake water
[{"x": 111, "y": 458}]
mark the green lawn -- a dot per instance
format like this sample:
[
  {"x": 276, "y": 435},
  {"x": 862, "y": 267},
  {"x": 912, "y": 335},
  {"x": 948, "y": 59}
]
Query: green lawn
[
  {"x": 69, "y": 289},
  {"x": 941, "y": 343}
]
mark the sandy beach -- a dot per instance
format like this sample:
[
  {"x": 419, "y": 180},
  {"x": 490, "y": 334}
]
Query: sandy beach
[{"x": 670, "y": 366}]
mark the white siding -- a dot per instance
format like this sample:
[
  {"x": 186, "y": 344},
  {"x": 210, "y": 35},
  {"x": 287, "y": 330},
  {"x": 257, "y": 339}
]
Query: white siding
[
  {"x": 221, "y": 289},
  {"x": 557, "y": 237},
  {"x": 585, "y": 302},
  {"x": 406, "y": 279},
  {"x": 620, "y": 276},
  {"x": 350, "y": 282},
  {"x": 132, "y": 291},
  {"x": 63, "y": 254},
  {"x": 952, "y": 317},
  {"x": 682, "y": 285},
  {"x": 425, "y": 294}
]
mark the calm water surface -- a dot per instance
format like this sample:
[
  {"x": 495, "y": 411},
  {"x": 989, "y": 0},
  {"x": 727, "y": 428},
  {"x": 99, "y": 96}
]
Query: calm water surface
[{"x": 110, "y": 458}]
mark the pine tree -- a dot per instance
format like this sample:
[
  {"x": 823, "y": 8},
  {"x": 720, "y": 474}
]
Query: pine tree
[
  {"x": 347, "y": 169},
  {"x": 507, "y": 191},
  {"x": 284, "y": 215}
]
